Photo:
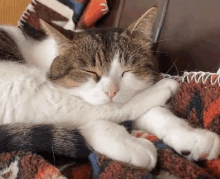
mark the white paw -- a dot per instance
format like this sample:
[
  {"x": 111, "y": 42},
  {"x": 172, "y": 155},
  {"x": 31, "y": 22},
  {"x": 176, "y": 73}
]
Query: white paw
[
  {"x": 168, "y": 83},
  {"x": 142, "y": 153},
  {"x": 196, "y": 144}
]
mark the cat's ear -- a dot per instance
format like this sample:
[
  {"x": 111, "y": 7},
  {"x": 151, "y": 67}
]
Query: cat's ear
[
  {"x": 62, "y": 42},
  {"x": 145, "y": 22}
]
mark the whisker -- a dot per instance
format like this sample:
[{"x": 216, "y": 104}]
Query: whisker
[
  {"x": 156, "y": 51},
  {"x": 155, "y": 42},
  {"x": 185, "y": 69},
  {"x": 140, "y": 47},
  {"x": 215, "y": 69},
  {"x": 53, "y": 154},
  {"x": 176, "y": 69},
  {"x": 133, "y": 54},
  {"x": 164, "y": 40},
  {"x": 173, "y": 64},
  {"x": 187, "y": 66}
]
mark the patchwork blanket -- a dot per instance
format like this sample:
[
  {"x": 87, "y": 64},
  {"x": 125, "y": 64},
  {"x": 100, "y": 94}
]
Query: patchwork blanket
[{"x": 197, "y": 98}]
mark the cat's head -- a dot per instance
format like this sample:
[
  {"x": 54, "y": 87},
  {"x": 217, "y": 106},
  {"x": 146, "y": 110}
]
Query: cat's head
[{"x": 105, "y": 66}]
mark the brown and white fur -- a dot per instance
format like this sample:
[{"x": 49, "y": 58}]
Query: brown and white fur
[{"x": 96, "y": 81}]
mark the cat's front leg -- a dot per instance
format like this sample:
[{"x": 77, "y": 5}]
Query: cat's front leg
[
  {"x": 193, "y": 143},
  {"x": 113, "y": 141},
  {"x": 156, "y": 95}
]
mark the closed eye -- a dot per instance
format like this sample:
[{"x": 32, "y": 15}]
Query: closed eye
[
  {"x": 90, "y": 72},
  {"x": 124, "y": 73},
  {"x": 96, "y": 75}
]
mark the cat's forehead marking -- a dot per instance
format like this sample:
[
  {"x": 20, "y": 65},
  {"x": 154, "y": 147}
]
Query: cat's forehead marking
[{"x": 116, "y": 67}]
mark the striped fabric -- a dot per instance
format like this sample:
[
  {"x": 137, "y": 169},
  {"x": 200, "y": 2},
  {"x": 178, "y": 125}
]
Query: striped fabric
[{"x": 66, "y": 14}]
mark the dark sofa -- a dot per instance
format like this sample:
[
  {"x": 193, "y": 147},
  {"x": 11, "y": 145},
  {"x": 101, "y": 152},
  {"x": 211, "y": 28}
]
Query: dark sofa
[{"x": 190, "y": 35}]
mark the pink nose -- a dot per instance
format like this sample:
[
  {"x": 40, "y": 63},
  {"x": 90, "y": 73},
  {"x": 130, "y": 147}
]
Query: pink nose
[{"x": 111, "y": 90}]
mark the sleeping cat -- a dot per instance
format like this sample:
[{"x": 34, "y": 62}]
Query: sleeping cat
[{"x": 96, "y": 81}]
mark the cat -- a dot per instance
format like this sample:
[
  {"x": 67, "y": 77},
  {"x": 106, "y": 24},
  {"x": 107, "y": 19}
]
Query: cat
[{"x": 96, "y": 81}]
